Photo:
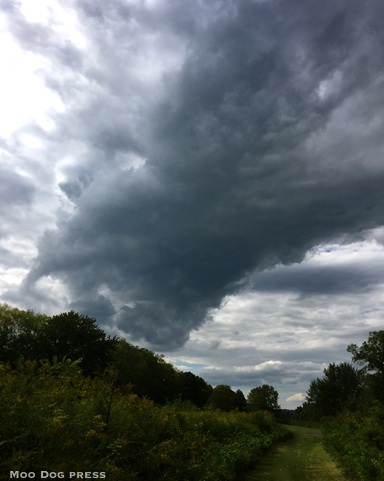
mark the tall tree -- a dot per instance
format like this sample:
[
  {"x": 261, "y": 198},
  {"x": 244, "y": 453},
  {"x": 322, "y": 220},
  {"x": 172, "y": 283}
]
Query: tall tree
[
  {"x": 76, "y": 336},
  {"x": 148, "y": 373},
  {"x": 222, "y": 397},
  {"x": 193, "y": 388},
  {"x": 263, "y": 398},
  {"x": 371, "y": 355},
  {"x": 371, "y": 352},
  {"x": 20, "y": 333},
  {"x": 339, "y": 388},
  {"x": 25, "y": 334},
  {"x": 240, "y": 401}
]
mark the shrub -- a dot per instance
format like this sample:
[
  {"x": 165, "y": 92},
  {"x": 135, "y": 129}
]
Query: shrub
[
  {"x": 356, "y": 440},
  {"x": 54, "y": 418}
]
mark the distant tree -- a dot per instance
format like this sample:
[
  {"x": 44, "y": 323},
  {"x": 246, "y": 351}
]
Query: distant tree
[
  {"x": 147, "y": 373},
  {"x": 222, "y": 397},
  {"x": 307, "y": 412},
  {"x": 339, "y": 388},
  {"x": 240, "y": 402},
  {"x": 371, "y": 355},
  {"x": 75, "y": 336},
  {"x": 193, "y": 388},
  {"x": 263, "y": 398}
]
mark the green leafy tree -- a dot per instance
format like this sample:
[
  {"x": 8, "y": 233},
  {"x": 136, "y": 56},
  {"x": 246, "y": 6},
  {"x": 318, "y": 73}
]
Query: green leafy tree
[
  {"x": 76, "y": 336},
  {"x": 371, "y": 352},
  {"x": 20, "y": 334},
  {"x": 193, "y": 388},
  {"x": 222, "y": 398},
  {"x": 263, "y": 398},
  {"x": 339, "y": 388},
  {"x": 147, "y": 373},
  {"x": 371, "y": 355},
  {"x": 27, "y": 335},
  {"x": 240, "y": 401}
]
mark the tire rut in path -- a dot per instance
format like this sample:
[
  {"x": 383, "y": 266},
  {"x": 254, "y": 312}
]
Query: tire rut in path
[{"x": 301, "y": 458}]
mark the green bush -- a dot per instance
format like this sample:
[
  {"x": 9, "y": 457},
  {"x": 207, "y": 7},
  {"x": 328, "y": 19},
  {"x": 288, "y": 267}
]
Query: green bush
[
  {"x": 356, "y": 440},
  {"x": 54, "y": 418}
]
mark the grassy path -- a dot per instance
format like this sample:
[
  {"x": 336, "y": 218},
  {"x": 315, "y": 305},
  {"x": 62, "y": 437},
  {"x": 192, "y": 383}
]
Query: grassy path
[{"x": 302, "y": 458}]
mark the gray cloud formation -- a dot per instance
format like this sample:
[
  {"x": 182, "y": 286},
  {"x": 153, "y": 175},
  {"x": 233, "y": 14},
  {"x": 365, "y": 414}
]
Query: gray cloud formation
[
  {"x": 16, "y": 192},
  {"x": 209, "y": 141},
  {"x": 326, "y": 280}
]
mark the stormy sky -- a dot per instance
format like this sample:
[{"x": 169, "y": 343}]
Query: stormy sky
[{"x": 205, "y": 178}]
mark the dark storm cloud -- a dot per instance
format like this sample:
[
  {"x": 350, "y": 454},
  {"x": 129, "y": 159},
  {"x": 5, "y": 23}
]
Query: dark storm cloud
[
  {"x": 318, "y": 280},
  {"x": 234, "y": 179}
]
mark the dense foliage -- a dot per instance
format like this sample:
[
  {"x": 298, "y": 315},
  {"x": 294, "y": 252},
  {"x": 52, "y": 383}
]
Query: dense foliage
[
  {"x": 74, "y": 399},
  {"x": 371, "y": 356},
  {"x": 356, "y": 440},
  {"x": 340, "y": 388},
  {"x": 349, "y": 403},
  {"x": 263, "y": 398},
  {"x": 56, "y": 419},
  {"x": 24, "y": 334}
]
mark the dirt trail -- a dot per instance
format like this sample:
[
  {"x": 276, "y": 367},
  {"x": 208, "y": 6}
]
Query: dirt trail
[{"x": 302, "y": 458}]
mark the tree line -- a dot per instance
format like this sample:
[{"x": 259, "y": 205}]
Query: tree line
[
  {"x": 348, "y": 401},
  {"x": 349, "y": 386},
  {"x": 26, "y": 335}
]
